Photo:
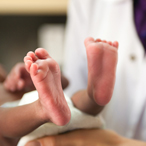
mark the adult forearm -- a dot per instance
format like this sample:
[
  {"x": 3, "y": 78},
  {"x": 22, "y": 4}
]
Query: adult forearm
[
  {"x": 131, "y": 142},
  {"x": 93, "y": 137},
  {"x": 83, "y": 102}
]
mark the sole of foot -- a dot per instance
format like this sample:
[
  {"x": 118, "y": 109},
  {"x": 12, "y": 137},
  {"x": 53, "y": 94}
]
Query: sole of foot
[
  {"x": 102, "y": 59},
  {"x": 46, "y": 76}
]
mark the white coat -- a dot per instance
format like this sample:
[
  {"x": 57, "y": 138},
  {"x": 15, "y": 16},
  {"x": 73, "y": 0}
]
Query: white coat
[{"x": 110, "y": 20}]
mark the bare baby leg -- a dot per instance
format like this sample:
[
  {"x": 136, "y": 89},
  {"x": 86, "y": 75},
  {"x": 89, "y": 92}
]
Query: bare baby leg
[
  {"x": 102, "y": 61},
  {"x": 46, "y": 76}
]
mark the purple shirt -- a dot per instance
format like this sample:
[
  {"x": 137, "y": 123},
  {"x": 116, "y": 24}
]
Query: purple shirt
[{"x": 140, "y": 19}]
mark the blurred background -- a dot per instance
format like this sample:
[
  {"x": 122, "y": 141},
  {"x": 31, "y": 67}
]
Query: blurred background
[{"x": 28, "y": 24}]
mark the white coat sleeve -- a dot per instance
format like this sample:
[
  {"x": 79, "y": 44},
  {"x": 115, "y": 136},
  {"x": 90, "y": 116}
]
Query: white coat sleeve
[{"x": 75, "y": 62}]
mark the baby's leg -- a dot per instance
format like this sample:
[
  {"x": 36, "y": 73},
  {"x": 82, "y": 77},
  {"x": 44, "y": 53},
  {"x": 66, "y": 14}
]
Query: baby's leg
[
  {"x": 45, "y": 74},
  {"x": 102, "y": 61}
]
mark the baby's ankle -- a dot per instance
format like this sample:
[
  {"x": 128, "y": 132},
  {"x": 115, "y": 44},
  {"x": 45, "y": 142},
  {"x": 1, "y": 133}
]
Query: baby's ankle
[{"x": 40, "y": 114}]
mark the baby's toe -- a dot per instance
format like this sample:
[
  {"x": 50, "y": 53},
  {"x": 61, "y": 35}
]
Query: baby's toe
[
  {"x": 116, "y": 44},
  {"x": 98, "y": 40},
  {"x": 110, "y": 43},
  {"x": 32, "y": 56},
  {"x": 42, "y": 53},
  {"x": 28, "y": 63},
  {"x": 27, "y": 58},
  {"x": 33, "y": 69},
  {"x": 88, "y": 41},
  {"x": 104, "y": 41}
]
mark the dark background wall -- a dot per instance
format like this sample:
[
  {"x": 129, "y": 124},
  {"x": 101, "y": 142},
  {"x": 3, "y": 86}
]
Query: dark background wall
[{"x": 18, "y": 35}]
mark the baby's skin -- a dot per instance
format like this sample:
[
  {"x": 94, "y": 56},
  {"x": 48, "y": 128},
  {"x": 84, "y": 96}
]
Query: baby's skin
[
  {"x": 45, "y": 73},
  {"x": 102, "y": 59},
  {"x": 46, "y": 76},
  {"x": 51, "y": 105}
]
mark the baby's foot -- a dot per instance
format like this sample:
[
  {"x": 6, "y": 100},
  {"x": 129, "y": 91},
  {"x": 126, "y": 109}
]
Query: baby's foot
[
  {"x": 102, "y": 61},
  {"x": 45, "y": 74}
]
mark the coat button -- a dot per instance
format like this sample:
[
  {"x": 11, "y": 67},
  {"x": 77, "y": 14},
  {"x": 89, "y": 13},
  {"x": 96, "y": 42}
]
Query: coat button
[{"x": 132, "y": 57}]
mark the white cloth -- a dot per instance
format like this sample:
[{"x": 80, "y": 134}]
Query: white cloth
[
  {"x": 110, "y": 20},
  {"x": 78, "y": 120}
]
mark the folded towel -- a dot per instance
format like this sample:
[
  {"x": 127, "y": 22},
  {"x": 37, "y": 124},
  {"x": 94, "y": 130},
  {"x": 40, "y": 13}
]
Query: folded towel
[{"x": 79, "y": 120}]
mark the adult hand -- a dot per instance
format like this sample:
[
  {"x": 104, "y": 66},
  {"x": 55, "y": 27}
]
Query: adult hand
[
  {"x": 91, "y": 137},
  {"x": 19, "y": 79},
  {"x": 2, "y": 74}
]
